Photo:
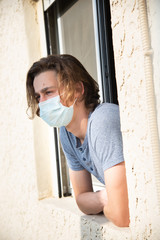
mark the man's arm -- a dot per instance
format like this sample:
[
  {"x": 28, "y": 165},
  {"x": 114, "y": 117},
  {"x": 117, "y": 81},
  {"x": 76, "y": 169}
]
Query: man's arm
[
  {"x": 89, "y": 202},
  {"x": 116, "y": 209},
  {"x": 113, "y": 201}
]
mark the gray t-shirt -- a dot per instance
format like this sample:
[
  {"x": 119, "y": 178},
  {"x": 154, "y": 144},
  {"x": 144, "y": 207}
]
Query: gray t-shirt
[{"x": 102, "y": 147}]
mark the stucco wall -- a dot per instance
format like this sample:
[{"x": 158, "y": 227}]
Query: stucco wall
[
  {"x": 154, "y": 18},
  {"x": 22, "y": 215},
  {"x": 25, "y": 174},
  {"x": 129, "y": 62},
  {"x": 17, "y": 174}
]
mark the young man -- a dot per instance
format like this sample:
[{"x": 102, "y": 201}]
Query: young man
[{"x": 64, "y": 95}]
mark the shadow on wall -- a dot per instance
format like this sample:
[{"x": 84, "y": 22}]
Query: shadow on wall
[{"x": 32, "y": 31}]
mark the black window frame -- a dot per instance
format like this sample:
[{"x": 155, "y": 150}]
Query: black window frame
[{"x": 106, "y": 51}]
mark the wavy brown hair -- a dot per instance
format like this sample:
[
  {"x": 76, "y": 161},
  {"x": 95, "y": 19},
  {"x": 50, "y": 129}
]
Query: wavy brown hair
[{"x": 70, "y": 72}]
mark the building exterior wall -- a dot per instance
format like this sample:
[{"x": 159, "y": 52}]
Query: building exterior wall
[
  {"x": 153, "y": 18},
  {"x": 24, "y": 173},
  {"x": 22, "y": 215},
  {"x": 131, "y": 83}
]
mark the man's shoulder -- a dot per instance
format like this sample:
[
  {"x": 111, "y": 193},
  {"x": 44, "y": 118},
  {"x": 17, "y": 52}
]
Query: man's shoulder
[
  {"x": 107, "y": 106},
  {"x": 105, "y": 112},
  {"x": 104, "y": 121}
]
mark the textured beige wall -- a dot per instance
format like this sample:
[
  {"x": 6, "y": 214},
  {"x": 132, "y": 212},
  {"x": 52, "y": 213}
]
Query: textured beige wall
[
  {"x": 129, "y": 61},
  {"x": 22, "y": 216},
  {"x": 17, "y": 173},
  {"x": 154, "y": 18},
  {"x": 22, "y": 154}
]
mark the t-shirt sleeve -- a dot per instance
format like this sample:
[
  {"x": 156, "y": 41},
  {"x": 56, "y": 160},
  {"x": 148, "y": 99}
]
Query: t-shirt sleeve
[
  {"x": 106, "y": 138},
  {"x": 69, "y": 152}
]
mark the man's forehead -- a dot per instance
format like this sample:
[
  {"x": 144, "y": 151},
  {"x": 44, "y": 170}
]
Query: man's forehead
[{"x": 45, "y": 80}]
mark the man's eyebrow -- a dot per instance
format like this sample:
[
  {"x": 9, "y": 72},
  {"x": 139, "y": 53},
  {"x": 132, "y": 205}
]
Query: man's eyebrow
[{"x": 45, "y": 89}]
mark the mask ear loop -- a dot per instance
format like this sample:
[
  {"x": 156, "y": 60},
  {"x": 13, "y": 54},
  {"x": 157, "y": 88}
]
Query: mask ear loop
[
  {"x": 74, "y": 101},
  {"x": 62, "y": 94}
]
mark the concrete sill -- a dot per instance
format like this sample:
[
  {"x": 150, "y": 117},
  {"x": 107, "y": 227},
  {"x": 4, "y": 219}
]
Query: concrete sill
[{"x": 80, "y": 226}]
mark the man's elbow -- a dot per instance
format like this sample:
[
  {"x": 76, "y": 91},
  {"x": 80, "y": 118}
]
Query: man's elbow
[
  {"x": 81, "y": 205},
  {"x": 85, "y": 207},
  {"x": 119, "y": 218},
  {"x": 121, "y": 222}
]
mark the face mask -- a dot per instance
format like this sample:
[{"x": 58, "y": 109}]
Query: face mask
[{"x": 54, "y": 113}]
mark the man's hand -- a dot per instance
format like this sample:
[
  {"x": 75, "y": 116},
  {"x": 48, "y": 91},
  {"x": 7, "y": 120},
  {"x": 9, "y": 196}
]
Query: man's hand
[{"x": 103, "y": 197}]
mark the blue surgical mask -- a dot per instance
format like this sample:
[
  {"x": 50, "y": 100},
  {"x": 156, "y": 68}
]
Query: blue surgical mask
[{"x": 54, "y": 113}]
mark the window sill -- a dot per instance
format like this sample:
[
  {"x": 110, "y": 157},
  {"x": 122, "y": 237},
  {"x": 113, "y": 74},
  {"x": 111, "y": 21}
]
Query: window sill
[{"x": 84, "y": 226}]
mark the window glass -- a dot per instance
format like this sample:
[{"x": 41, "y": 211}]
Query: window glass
[{"x": 76, "y": 34}]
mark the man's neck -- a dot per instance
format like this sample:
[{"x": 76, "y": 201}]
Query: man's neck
[{"x": 78, "y": 125}]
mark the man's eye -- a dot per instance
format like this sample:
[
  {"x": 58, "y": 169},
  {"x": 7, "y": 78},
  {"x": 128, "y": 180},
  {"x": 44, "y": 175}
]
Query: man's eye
[{"x": 49, "y": 92}]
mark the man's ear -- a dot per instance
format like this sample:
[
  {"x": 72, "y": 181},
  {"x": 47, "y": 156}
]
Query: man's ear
[{"x": 79, "y": 89}]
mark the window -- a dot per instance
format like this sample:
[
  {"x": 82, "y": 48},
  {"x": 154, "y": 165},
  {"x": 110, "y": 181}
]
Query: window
[{"x": 81, "y": 28}]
